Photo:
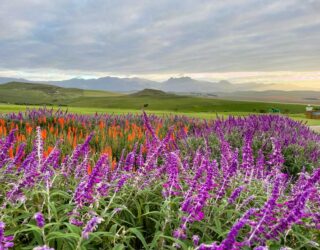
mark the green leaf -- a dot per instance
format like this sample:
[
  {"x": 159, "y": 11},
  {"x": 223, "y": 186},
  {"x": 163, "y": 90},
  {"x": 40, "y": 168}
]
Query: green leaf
[
  {"x": 60, "y": 193},
  {"x": 73, "y": 228},
  {"x": 140, "y": 236},
  {"x": 217, "y": 226},
  {"x": 119, "y": 247},
  {"x": 61, "y": 235}
]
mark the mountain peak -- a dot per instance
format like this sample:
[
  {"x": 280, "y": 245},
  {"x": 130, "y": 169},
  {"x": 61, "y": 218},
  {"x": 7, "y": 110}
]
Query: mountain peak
[{"x": 182, "y": 78}]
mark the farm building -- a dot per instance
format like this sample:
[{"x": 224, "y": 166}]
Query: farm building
[{"x": 312, "y": 113}]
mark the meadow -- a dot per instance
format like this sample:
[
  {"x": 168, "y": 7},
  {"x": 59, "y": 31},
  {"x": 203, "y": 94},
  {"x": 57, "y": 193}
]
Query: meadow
[
  {"x": 153, "y": 100},
  {"x": 15, "y": 97},
  {"x": 166, "y": 181}
]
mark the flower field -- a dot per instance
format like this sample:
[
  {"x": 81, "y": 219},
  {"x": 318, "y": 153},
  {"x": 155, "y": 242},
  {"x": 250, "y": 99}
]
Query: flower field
[{"x": 71, "y": 181}]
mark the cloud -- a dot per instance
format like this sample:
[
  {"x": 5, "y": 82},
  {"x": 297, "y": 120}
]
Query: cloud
[{"x": 159, "y": 37}]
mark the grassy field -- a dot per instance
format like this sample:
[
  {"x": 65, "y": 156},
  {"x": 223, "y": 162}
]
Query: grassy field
[
  {"x": 29, "y": 93},
  {"x": 41, "y": 94},
  {"x": 17, "y": 96}
]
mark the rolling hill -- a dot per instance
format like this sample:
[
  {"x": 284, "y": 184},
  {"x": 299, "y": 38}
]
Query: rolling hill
[
  {"x": 34, "y": 93},
  {"x": 41, "y": 94}
]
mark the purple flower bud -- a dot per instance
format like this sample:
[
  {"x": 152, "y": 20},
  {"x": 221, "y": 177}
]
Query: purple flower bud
[
  {"x": 5, "y": 241},
  {"x": 179, "y": 233},
  {"x": 39, "y": 219},
  {"x": 195, "y": 240}
]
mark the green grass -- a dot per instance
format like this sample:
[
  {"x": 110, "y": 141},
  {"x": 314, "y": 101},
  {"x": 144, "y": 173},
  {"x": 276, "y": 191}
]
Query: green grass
[
  {"x": 27, "y": 93},
  {"x": 16, "y": 96},
  {"x": 30, "y": 93},
  {"x": 182, "y": 104}
]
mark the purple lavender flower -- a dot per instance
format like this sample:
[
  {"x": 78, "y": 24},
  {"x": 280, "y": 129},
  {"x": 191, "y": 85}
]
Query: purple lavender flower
[
  {"x": 235, "y": 194},
  {"x": 72, "y": 161},
  {"x": 5, "y": 241},
  {"x": 267, "y": 211},
  {"x": 39, "y": 219},
  {"x": 276, "y": 159},
  {"x": 247, "y": 153},
  {"x": 195, "y": 240},
  {"x": 172, "y": 186},
  {"x": 5, "y": 146},
  {"x": 230, "y": 240},
  {"x": 86, "y": 189},
  {"x": 180, "y": 233},
  {"x": 91, "y": 226}
]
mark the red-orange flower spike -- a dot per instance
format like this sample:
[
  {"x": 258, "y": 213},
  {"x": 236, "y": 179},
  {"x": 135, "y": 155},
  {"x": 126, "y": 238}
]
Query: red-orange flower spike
[
  {"x": 11, "y": 153},
  {"x": 50, "y": 148},
  {"x": 74, "y": 143},
  {"x": 101, "y": 125},
  {"x": 44, "y": 134},
  {"x": 89, "y": 169},
  {"x": 61, "y": 122},
  {"x": 28, "y": 129},
  {"x": 114, "y": 164}
]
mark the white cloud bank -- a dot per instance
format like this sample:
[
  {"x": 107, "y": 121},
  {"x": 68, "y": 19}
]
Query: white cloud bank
[{"x": 244, "y": 40}]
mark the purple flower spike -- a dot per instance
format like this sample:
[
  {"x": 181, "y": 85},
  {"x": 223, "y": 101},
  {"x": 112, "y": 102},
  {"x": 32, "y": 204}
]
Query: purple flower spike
[
  {"x": 91, "y": 226},
  {"x": 235, "y": 194}
]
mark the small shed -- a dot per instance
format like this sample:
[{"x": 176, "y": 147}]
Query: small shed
[{"x": 312, "y": 113}]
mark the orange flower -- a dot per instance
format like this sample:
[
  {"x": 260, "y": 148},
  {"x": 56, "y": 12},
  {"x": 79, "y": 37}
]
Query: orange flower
[
  {"x": 50, "y": 148},
  {"x": 61, "y": 122},
  {"x": 114, "y": 164},
  {"x": 74, "y": 143},
  {"x": 101, "y": 125},
  {"x": 185, "y": 129},
  {"x": 11, "y": 153},
  {"x": 108, "y": 150},
  {"x": 51, "y": 129},
  {"x": 2, "y": 122},
  {"x": 28, "y": 129},
  {"x": 44, "y": 134},
  {"x": 89, "y": 169}
]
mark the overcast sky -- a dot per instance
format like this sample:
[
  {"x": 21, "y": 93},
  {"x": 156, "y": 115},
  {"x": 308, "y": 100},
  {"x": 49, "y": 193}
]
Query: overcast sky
[{"x": 254, "y": 39}]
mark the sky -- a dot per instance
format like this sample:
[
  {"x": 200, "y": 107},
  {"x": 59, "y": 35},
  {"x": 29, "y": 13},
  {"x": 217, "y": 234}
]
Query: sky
[{"x": 242, "y": 40}]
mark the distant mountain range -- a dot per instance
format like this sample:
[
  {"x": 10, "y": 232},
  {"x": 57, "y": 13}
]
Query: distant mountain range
[
  {"x": 30, "y": 92},
  {"x": 177, "y": 85}
]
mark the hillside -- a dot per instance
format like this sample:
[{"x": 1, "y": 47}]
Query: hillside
[
  {"x": 33, "y": 93},
  {"x": 151, "y": 92},
  {"x": 40, "y": 94}
]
